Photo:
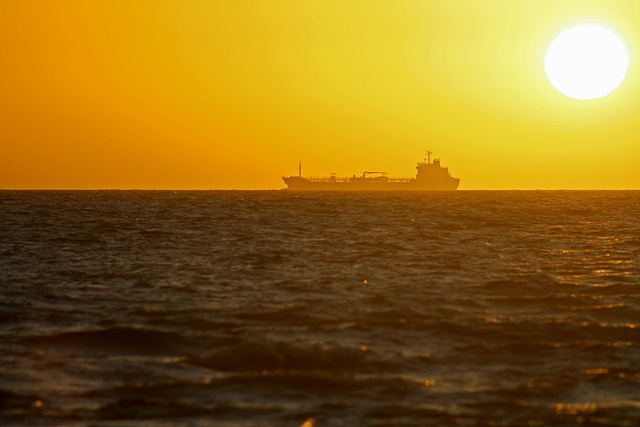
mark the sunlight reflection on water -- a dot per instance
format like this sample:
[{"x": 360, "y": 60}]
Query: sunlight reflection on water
[{"x": 272, "y": 308}]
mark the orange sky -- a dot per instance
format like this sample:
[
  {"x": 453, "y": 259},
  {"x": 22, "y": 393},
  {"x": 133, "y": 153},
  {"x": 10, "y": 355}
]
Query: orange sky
[{"x": 231, "y": 94}]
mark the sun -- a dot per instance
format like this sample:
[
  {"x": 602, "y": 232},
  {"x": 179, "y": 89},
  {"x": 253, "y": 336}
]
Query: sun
[{"x": 586, "y": 62}]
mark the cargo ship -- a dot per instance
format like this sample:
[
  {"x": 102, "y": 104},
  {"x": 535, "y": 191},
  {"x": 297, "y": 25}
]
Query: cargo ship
[{"x": 430, "y": 176}]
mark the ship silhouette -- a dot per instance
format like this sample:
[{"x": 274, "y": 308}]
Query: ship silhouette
[{"x": 430, "y": 176}]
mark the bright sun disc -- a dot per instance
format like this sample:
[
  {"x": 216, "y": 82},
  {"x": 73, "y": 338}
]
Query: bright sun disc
[{"x": 586, "y": 62}]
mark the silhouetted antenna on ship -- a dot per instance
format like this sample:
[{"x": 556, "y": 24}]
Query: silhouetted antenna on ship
[
  {"x": 299, "y": 169},
  {"x": 428, "y": 153}
]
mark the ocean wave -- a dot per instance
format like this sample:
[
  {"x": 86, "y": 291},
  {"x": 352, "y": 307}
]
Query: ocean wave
[{"x": 271, "y": 308}]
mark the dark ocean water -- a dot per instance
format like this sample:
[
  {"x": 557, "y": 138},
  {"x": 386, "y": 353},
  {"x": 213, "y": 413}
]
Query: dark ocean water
[{"x": 270, "y": 308}]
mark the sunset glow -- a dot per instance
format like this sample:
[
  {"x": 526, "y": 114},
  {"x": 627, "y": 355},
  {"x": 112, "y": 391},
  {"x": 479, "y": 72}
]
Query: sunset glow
[{"x": 232, "y": 94}]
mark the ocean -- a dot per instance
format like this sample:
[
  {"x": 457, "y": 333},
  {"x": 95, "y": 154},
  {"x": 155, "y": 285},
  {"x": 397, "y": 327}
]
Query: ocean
[{"x": 276, "y": 308}]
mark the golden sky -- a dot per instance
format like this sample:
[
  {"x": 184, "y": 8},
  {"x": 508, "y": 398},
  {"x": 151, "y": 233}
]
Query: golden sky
[{"x": 187, "y": 94}]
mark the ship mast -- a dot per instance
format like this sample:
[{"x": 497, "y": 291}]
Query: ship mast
[
  {"x": 299, "y": 169},
  {"x": 428, "y": 153}
]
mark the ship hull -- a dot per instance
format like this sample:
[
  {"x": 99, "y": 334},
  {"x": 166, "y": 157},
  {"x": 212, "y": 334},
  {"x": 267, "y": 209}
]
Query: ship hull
[{"x": 302, "y": 184}]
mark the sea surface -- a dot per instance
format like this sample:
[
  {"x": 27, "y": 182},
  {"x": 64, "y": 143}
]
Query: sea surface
[{"x": 276, "y": 308}]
